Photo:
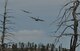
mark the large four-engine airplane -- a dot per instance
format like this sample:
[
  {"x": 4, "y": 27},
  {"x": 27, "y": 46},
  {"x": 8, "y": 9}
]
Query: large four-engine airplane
[{"x": 36, "y": 19}]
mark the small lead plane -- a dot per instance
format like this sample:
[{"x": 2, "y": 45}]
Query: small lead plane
[
  {"x": 36, "y": 19},
  {"x": 26, "y": 11}
]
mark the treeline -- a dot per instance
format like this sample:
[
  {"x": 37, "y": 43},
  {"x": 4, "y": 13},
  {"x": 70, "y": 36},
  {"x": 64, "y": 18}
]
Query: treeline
[{"x": 32, "y": 47}]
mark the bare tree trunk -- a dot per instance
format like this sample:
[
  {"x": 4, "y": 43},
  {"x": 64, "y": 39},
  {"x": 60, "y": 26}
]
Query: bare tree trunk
[
  {"x": 75, "y": 36},
  {"x": 4, "y": 28}
]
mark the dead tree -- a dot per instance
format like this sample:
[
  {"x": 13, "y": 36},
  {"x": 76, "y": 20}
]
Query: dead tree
[
  {"x": 4, "y": 27},
  {"x": 70, "y": 15},
  {"x": 75, "y": 36}
]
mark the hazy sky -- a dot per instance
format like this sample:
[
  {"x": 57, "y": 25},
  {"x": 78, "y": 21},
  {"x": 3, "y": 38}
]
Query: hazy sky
[{"x": 29, "y": 30}]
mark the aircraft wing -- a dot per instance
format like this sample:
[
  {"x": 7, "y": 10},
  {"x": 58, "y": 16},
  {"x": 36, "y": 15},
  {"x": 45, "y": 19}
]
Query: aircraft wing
[
  {"x": 32, "y": 17},
  {"x": 40, "y": 20}
]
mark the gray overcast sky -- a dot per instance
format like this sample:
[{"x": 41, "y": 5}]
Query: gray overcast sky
[{"x": 30, "y": 30}]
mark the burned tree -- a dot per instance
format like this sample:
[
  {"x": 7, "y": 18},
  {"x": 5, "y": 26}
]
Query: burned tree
[
  {"x": 70, "y": 15},
  {"x": 75, "y": 36},
  {"x": 4, "y": 26}
]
